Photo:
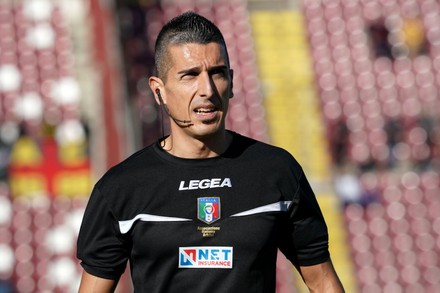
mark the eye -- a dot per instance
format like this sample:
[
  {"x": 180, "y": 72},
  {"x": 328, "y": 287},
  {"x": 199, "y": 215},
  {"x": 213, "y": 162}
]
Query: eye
[
  {"x": 189, "y": 76},
  {"x": 218, "y": 73}
]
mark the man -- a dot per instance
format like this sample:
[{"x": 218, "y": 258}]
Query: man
[{"x": 204, "y": 209}]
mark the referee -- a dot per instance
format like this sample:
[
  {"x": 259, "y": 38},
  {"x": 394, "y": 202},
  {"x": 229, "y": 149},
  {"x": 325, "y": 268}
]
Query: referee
[{"x": 203, "y": 209}]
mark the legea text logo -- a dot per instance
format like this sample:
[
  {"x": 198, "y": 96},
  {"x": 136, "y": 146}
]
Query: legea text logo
[
  {"x": 205, "y": 257},
  {"x": 205, "y": 184}
]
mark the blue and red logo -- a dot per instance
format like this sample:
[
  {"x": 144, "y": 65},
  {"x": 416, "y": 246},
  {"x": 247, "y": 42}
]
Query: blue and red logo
[
  {"x": 204, "y": 257},
  {"x": 208, "y": 209}
]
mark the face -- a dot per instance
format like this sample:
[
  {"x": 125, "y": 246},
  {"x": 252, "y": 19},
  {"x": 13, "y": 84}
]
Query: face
[{"x": 198, "y": 87}]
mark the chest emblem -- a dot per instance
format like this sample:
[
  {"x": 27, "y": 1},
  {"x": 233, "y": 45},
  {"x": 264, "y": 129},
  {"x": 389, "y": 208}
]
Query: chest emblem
[
  {"x": 208, "y": 209},
  {"x": 203, "y": 257}
]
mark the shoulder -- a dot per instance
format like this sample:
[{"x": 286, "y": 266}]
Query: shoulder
[
  {"x": 140, "y": 163},
  {"x": 127, "y": 182},
  {"x": 264, "y": 157},
  {"x": 261, "y": 149}
]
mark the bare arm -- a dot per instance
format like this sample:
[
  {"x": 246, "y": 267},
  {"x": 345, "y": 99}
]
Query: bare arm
[
  {"x": 321, "y": 278},
  {"x": 93, "y": 284}
]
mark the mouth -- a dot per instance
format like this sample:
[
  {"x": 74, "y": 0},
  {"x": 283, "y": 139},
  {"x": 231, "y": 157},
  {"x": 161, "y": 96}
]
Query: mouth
[{"x": 206, "y": 112}]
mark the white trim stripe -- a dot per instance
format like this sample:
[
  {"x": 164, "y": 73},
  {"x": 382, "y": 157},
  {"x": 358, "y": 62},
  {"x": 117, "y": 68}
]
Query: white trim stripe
[
  {"x": 281, "y": 206},
  {"x": 125, "y": 226}
]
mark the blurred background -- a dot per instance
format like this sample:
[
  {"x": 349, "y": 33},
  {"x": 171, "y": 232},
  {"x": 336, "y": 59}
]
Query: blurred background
[{"x": 349, "y": 87}]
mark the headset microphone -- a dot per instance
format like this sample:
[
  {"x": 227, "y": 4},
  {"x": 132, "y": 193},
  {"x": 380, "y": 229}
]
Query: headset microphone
[{"x": 168, "y": 112}]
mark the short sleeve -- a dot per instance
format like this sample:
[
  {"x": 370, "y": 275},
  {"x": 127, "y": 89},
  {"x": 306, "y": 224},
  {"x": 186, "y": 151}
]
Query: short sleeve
[
  {"x": 308, "y": 243},
  {"x": 101, "y": 249}
]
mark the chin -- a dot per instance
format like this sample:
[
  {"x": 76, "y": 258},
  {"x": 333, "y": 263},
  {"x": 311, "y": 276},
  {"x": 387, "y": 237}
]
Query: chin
[{"x": 206, "y": 130}]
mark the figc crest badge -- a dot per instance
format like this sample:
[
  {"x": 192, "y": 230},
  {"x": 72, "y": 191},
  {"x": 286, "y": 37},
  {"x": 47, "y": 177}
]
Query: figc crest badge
[{"x": 208, "y": 209}]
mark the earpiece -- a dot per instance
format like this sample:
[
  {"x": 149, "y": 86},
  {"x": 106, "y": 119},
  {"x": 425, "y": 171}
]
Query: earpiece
[{"x": 159, "y": 95}]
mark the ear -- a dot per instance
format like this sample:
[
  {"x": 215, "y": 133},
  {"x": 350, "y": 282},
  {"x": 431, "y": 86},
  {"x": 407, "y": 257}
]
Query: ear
[
  {"x": 231, "y": 74},
  {"x": 156, "y": 84}
]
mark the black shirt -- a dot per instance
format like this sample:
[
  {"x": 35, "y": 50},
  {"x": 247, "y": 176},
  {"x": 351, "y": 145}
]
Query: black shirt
[{"x": 202, "y": 225}]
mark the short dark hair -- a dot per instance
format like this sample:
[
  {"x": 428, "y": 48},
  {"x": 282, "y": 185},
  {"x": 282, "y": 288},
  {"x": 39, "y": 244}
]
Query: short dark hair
[{"x": 186, "y": 28}]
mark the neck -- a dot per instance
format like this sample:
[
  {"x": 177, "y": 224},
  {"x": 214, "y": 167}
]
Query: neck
[{"x": 197, "y": 148}]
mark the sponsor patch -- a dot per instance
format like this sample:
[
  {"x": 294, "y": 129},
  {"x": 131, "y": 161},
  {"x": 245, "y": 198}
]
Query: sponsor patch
[
  {"x": 200, "y": 257},
  {"x": 208, "y": 209}
]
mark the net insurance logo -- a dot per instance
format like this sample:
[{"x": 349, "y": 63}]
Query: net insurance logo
[{"x": 206, "y": 257}]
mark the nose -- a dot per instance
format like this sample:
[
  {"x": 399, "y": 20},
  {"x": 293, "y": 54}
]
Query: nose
[{"x": 206, "y": 85}]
